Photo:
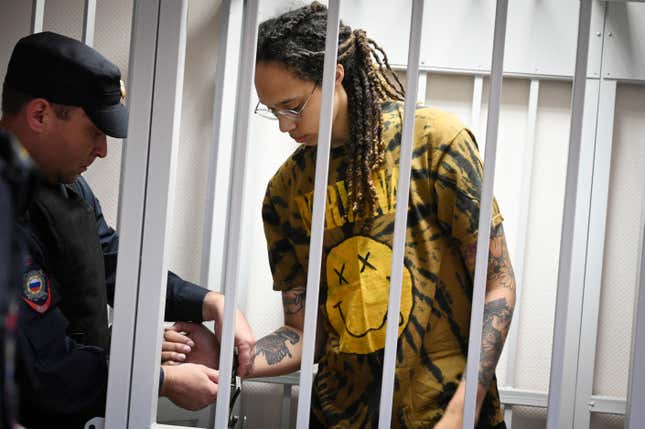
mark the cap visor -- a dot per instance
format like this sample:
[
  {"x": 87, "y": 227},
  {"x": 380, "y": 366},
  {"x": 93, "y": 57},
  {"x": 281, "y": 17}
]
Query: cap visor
[{"x": 112, "y": 120}]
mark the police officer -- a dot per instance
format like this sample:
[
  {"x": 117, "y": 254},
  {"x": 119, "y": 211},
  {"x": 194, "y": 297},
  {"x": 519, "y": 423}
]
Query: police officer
[
  {"x": 17, "y": 182},
  {"x": 61, "y": 98}
]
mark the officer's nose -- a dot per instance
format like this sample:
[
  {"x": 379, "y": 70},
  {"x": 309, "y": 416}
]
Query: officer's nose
[
  {"x": 286, "y": 124},
  {"x": 101, "y": 146}
]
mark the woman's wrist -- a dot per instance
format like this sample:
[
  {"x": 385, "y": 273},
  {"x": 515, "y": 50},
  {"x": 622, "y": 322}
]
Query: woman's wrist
[{"x": 213, "y": 306}]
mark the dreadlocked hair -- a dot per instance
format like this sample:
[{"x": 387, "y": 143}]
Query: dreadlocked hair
[{"x": 296, "y": 39}]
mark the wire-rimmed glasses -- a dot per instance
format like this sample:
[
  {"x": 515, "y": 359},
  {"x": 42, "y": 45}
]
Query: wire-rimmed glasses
[{"x": 275, "y": 114}]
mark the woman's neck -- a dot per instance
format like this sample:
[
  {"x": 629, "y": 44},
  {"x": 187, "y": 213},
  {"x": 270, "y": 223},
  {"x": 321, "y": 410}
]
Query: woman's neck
[{"x": 341, "y": 130}]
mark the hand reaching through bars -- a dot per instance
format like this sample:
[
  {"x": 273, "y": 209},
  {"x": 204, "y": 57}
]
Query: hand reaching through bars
[
  {"x": 190, "y": 343},
  {"x": 213, "y": 309},
  {"x": 190, "y": 386}
]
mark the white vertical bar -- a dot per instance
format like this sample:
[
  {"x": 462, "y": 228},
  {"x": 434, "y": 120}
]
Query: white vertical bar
[
  {"x": 131, "y": 208},
  {"x": 423, "y": 86},
  {"x": 235, "y": 205},
  {"x": 164, "y": 143},
  {"x": 522, "y": 231},
  {"x": 559, "y": 414},
  {"x": 215, "y": 219},
  {"x": 89, "y": 21},
  {"x": 285, "y": 413},
  {"x": 37, "y": 16},
  {"x": 508, "y": 415},
  {"x": 219, "y": 165},
  {"x": 485, "y": 212},
  {"x": 595, "y": 251},
  {"x": 635, "y": 413},
  {"x": 476, "y": 111},
  {"x": 401, "y": 217},
  {"x": 318, "y": 216},
  {"x": 579, "y": 246}
]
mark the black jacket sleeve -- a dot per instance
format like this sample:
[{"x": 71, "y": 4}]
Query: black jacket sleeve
[{"x": 184, "y": 299}]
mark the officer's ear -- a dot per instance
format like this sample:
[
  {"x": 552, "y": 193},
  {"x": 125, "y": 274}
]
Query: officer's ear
[{"x": 37, "y": 112}]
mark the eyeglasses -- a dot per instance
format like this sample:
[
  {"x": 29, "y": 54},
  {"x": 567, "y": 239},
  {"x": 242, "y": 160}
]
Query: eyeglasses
[{"x": 275, "y": 114}]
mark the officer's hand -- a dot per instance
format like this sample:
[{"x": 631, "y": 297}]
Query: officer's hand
[
  {"x": 175, "y": 346},
  {"x": 190, "y": 386},
  {"x": 244, "y": 338},
  {"x": 203, "y": 345}
]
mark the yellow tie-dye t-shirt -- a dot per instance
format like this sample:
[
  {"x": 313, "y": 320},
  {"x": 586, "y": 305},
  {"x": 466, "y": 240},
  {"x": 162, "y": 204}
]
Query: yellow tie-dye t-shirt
[{"x": 443, "y": 215}]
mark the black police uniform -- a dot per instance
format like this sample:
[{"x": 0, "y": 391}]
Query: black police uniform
[
  {"x": 68, "y": 279},
  {"x": 6, "y": 278},
  {"x": 70, "y": 265},
  {"x": 17, "y": 181}
]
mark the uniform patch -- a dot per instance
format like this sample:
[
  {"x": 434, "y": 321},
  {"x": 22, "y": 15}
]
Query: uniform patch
[{"x": 36, "y": 290}]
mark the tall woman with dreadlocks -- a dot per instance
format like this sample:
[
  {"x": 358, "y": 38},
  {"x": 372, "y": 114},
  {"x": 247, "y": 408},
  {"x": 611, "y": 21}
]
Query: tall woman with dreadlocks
[{"x": 359, "y": 224}]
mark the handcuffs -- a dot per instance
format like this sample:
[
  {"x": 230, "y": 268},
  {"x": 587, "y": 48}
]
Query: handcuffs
[{"x": 236, "y": 388}]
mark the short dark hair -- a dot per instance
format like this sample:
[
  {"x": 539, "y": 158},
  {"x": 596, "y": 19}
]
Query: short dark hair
[{"x": 14, "y": 100}]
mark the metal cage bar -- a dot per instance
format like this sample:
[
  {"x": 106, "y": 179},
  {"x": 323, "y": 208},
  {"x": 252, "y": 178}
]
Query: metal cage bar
[
  {"x": 37, "y": 16},
  {"x": 485, "y": 212},
  {"x": 133, "y": 191},
  {"x": 235, "y": 204},
  {"x": 219, "y": 164},
  {"x": 401, "y": 216},
  {"x": 228, "y": 54},
  {"x": 89, "y": 22},
  {"x": 558, "y": 416},
  {"x": 164, "y": 144},
  {"x": 318, "y": 216},
  {"x": 595, "y": 251}
]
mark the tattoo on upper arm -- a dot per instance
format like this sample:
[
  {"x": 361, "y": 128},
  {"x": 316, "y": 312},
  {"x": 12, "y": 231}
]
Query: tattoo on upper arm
[
  {"x": 274, "y": 346},
  {"x": 500, "y": 269},
  {"x": 497, "y": 318},
  {"x": 293, "y": 300}
]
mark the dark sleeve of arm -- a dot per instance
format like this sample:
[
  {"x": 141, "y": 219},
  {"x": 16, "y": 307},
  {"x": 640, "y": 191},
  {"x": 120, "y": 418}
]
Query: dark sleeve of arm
[
  {"x": 57, "y": 376},
  {"x": 183, "y": 299}
]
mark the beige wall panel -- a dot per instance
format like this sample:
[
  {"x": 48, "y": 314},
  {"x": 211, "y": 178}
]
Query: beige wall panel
[
  {"x": 543, "y": 239},
  {"x": 622, "y": 243}
]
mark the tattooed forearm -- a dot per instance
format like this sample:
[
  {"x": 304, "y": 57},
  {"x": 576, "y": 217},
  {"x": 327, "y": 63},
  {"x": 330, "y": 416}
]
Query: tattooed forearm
[
  {"x": 274, "y": 346},
  {"x": 500, "y": 297},
  {"x": 293, "y": 300},
  {"x": 497, "y": 318}
]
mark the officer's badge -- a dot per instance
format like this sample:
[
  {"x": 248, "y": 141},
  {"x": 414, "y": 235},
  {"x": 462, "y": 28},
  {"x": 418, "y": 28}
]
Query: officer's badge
[
  {"x": 36, "y": 291},
  {"x": 123, "y": 91}
]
